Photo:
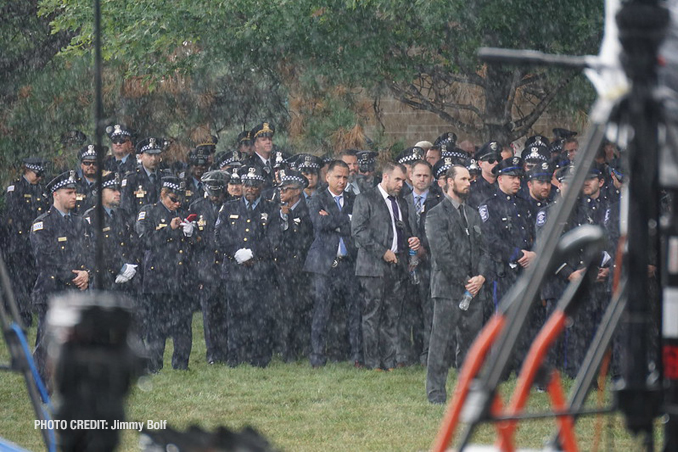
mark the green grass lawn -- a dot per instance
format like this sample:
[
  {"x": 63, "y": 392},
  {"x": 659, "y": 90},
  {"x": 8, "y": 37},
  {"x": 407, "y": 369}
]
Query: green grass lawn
[{"x": 337, "y": 408}]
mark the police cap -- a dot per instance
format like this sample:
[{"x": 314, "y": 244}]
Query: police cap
[
  {"x": 489, "y": 150},
  {"x": 252, "y": 175},
  {"x": 448, "y": 139},
  {"x": 542, "y": 171},
  {"x": 291, "y": 177},
  {"x": 63, "y": 180},
  {"x": 410, "y": 155},
  {"x": 151, "y": 146},
  {"x": 264, "y": 129},
  {"x": 512, "y": 166}
]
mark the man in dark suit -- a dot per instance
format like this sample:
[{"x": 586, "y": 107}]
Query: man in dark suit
[
  {"x": 417, "y": 313},
  {"x": 331, "y": 260},
  {"x": 459, "y": 263},
  {"x": 381, "y": 229}
]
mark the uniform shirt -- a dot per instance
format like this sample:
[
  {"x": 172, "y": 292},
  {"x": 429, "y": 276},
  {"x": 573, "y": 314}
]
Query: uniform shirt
[
  {"x": 165, "y": 250},
  {"x": 479, "y": 191},
  {"x": 23, "y": 203},
  {"x": 137, "y": 190},
  {"x": 508, "y": 226},
  {"x": 120, "y": 245},
  {"x": 60, "y": 245}
]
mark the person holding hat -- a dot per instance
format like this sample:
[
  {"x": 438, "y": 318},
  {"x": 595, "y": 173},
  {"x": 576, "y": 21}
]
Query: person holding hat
[
  {"x": 142, "y": 186},
  {"x": 204, "y": 286},
  {"x": 84, "y": 198},
  {"x": 122, "y": 160},
  {"x": 485, "y": 185},
  {"x": 262, "y": 143},
  {"x": 24, "y": 200},
  {"x": 120, "y": 255},
  {"x": 165, "y": 240},
  {"x": 61, "y": 247},
  {"x": 296, "y": 236},
  {"x": 244, "y": 238}
]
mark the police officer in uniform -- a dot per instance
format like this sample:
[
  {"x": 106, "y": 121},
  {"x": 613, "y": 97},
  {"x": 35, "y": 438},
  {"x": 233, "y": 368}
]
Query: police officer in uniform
[
  {"x": 198, "y": 162},
  {"x": 123, "y": 159},
  {"x": 309, "y": 166},
  {"x": 508, "y": 226},
  {"x": 142, "y": 186},
  {"x": 84, "y": 198},
  {"x": 538, "y": 193},
  {"x": 367, "y": 175},
  {"x": 63, "y": 259},
  {"x": 121, "y": 259},
  {"x": 166, "y": 239},
  {"x": 262, "y": 143},
  {"x": 24, "y": 201},
  {"x": 485, "y": 185},
  {"x": 245, "y": 240},
  {"x": 296, "y": 236},
  {"x": 205, "y": 265}
]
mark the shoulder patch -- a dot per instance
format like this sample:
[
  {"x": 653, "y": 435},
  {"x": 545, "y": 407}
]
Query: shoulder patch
[
  {"x": 142, "y": 216},
  {"x": 541, "y": 218},
  {"x": 484, "y": 214},
  {"x": 123, "y": 183},
  {"x": 37, "y": 226},
  {"x": 10, "y": 188}
]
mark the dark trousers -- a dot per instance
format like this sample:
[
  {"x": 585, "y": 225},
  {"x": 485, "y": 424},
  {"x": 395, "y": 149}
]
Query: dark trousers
[
  {"x": 414, "y": 328},
  {"x": 249, "y": 319},
  {"x": 214, "y": 310},
  {"x": 332, "y": 293},
  {"x": 22, "y": 274},
  {"x": 452, "y": 334},
  {"x": 40, "y": 351},
  {"x": 296, "y": 309},
  {"x": 168, "y": 315},
  {"x": 383, "y": 300}
]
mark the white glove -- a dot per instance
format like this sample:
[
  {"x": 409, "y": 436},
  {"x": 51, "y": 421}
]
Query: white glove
[
  {"x": 188, "y": 229},
  {"x": 243, "y": 255},
  {"x": 127, "y": 272}
]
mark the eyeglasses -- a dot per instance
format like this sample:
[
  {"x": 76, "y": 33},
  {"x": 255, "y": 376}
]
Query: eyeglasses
[
  {"x": 89, "y": 163},
  {"x": 119, "y": 140},
  {"x": 491, "y": 161},
  {"x": 174, "y": 199}
]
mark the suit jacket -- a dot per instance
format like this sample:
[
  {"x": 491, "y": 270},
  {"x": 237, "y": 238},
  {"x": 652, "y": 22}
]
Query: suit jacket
[
  {"x": 451, "y": 250},
  {"x": 419, "y": 226},
  {"x": 327, "y": 230},
  {"x": 373, "y": 233}
]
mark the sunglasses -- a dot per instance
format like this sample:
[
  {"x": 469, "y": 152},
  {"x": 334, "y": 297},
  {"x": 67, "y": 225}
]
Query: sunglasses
[
  {"x": 88, "y": 163},
  {"x": 491, "y": 161},
  {"x": 119, "y": 140},
  {"x": 174, "y": 199}
]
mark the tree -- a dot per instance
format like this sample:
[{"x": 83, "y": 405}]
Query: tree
[{"x": 421, "y": 51}]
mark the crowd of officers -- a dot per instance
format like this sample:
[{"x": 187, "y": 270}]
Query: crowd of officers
[{"x": 309, "y": 257}]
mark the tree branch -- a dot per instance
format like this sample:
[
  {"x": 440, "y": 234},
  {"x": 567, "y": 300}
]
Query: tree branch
[{"x": 523, "y": 125}]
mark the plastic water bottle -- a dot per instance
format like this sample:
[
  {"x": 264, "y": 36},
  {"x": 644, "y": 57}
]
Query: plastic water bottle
[
  {"x": 414, "y": 261},
  {"x": 465, "y": 299}
]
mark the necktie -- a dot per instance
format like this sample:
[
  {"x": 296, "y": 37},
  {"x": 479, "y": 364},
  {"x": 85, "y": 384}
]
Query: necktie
[
  {"x": 152, "y": 178},
  {"x": 250, "y": 208},
  {"x": 464, "y": 220},
  {"x": 396, "y": 218},
  {"x": 342, "y": 246},
  {"x": 417, "y": 206}
]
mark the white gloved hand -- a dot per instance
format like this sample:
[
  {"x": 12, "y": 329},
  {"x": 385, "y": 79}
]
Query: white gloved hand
[
  {"x": 243, "y": 255},
  {"x": 188, "y": 228},
  {"x": 127, "y": 272}
]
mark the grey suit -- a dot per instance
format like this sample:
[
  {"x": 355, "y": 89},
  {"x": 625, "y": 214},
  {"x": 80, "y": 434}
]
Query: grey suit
[
  {"x": 454, "y": 257},
  {"x": 382, "y": 283}
]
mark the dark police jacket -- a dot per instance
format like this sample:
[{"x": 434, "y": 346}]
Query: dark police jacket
[
  {"x": 295, "y": 238},
  {"x": 327, "y": 230},
  {"x": 454, "y": 254},
  {"x": 479, "y": 191},
  {"x": 237, "y": 228},
  {"x": 23, "y": 203},
  {"x": 205, "y": 259},
  {"x": 120, "y": 246},
  {"x": 120, "y": 167},
  {"x": 59, "y": 246},
  {"x": 508, "y": 227},
  {"x": 137, "y": 190},
  {"x": 165, "y": 250},
  {"x": 85, "y": 195}
]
